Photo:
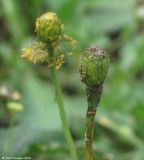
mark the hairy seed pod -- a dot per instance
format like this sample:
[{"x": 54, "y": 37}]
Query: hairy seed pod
[
  {"x": 94, "y": 66},
  {"x": 36, "y": 53},
  {"x": 48, "y": 27}
]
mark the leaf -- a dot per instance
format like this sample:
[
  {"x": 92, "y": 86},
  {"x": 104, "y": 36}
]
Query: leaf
[{"x": 103, "y": 16}]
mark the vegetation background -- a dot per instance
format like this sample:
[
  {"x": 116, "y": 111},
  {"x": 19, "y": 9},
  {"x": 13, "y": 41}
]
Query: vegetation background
[{"x": 36, "y": 131}]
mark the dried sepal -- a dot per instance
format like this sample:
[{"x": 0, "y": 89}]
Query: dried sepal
[
  {"x": 57, "y": 62},
  {"x": 63, "y": 47},
  {"x": 66, "y": 45},
  {"x": 69, "y": 39}
]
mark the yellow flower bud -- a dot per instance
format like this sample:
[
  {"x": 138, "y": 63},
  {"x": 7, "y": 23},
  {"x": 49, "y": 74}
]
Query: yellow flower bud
[{"x": 49, "y": 27}]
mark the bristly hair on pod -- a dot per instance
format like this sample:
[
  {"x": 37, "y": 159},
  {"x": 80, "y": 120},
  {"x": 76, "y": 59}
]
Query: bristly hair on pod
[{"x": 96, "y": 50}]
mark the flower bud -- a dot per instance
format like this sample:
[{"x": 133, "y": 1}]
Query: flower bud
[
  {"x": 94, "y": 66},
  {"x": 49, "y": 27},
  {"x": 36, "y": 53}
]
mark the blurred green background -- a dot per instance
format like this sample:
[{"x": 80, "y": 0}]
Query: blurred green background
[{"x": 36, "y": 131}]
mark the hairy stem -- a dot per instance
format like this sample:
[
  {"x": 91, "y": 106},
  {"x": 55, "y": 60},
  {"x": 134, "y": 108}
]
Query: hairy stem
[
  {"x": 60, "y": 103},
  {"x": 93, "y": 97}
]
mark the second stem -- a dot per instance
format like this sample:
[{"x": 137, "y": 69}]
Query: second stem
[{"x": 93, "y": 98}]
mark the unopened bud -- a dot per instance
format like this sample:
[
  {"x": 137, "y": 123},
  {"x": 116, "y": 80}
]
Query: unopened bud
[{"x": 94, "y": 66}]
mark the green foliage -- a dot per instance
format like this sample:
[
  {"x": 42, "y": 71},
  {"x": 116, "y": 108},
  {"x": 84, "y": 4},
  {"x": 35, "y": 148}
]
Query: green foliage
[{"x": 113, "y": 25}]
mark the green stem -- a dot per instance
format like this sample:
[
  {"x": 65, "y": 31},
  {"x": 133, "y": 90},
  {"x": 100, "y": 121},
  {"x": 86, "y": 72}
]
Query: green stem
[
  {"x": 93, "y": 97},
  {"x": 8, "y": 146},
  {"x": 60, "y": 103}
]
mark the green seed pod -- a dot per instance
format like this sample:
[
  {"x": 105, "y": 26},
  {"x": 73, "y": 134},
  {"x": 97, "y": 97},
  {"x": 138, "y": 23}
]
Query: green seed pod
[
  {"x": 36, "y": 53},
  {"x": 94, "y": 66},
  {"x": 48, "y": 27}
]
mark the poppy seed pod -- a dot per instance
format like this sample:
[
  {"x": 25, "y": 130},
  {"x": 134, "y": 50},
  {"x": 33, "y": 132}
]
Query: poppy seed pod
[
  {"x": 49, "y": 27},
  {"x": 94, "y": 66}
]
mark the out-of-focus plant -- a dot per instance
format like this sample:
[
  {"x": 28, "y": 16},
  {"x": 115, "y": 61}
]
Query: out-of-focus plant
[
  {"x": 116, "y": 26},
  {"x": 93, "y": 69},
  {"x": 49, "y": 49},
  {"x": 8, "y": 101}
]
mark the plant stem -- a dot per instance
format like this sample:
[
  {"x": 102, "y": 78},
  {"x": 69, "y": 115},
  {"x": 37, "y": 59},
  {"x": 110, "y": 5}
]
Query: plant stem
[
  {"x": 93, "y": 98},
  {"x": 59, "y": 100}
]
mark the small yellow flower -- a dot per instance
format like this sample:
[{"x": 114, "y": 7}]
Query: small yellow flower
[
  {"x": 36, "y": 53},
  {"x": 48, "y": 27},
  {"x": 50, "y": 34}
]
